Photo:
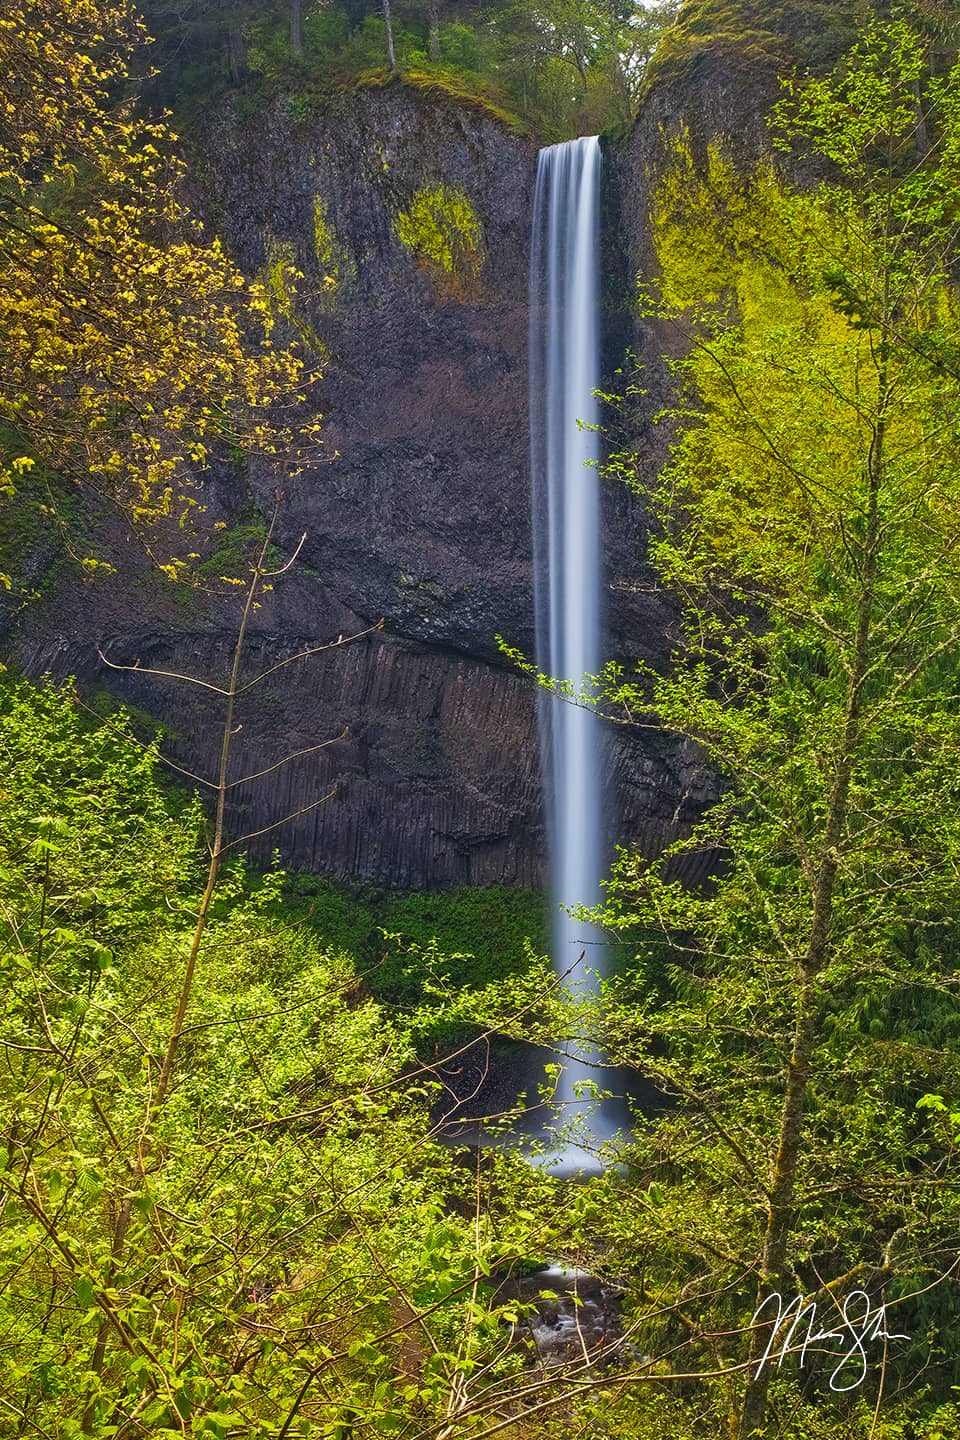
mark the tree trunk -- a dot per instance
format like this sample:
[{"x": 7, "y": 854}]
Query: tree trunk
[
  {"x": 296, "y": 26},
  {"x": 920, "y": 122},
  {"x": 433, "y": 47},
  {"x": 388, "y": 21},
  {"x": 157, "y": 1100},
  {"x": 236, "y": 54},
  {"x": 783, "y": 1179}
]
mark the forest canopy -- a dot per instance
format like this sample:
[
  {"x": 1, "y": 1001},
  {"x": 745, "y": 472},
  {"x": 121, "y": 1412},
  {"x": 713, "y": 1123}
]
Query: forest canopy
[{"x": 566, "y": 66}]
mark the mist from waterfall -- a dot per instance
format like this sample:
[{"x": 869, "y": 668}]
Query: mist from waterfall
[{"x": 564, "y": 372}]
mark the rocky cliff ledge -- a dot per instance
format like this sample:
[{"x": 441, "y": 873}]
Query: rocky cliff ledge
[{"x": 419, "y": 516}]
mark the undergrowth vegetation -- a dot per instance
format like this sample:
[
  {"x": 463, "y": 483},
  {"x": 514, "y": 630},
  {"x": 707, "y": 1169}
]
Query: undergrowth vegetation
[
  {"x": 282, "y": 1247},
  {"x": 280, "y": 1242}
]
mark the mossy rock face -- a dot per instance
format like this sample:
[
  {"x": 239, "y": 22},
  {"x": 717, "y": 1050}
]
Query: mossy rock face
[
  {"x": 783, "y": 34},
  {"x": 34, "y": 514},
  {"x": 283, "y": 282},
  {"x": 366, "y": 217},
  {"x": 444, "y": 85},
  {"x": 444, "y": 231},
  {"x": 715, "y": 230},
  {"x": 334, "y": 261}
]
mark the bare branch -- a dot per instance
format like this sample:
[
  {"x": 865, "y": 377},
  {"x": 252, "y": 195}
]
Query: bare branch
[
  {"x": 137, "y": 668},
  {"x": 294, "y": 755},
  {"x": 275, "y": 825},
  {"x": 305, "y": 654},
  {"x": 272, "y": 574}
]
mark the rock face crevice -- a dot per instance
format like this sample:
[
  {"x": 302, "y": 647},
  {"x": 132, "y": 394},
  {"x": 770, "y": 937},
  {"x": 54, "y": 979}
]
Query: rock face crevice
[{"x": 419, "y": 515}]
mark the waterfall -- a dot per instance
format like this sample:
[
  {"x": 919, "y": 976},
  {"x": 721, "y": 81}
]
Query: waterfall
[{"x": 564, "y": 449}]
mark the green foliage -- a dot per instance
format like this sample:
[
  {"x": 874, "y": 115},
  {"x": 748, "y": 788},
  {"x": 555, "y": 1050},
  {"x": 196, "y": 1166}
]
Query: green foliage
[
  {"x": 443, "y": 230},
  {"x": 483, "y": 935},
  {"x": 807, "y": 524},
  {"x": 276, "y": 1245},
  {"x": 280, "y": 1243},
  {"x": 30, "y": 552},
  {"x": 479, "y": 935},
  {"x": 61, "y": 778},
  {"x": 126, "y": 338},
  {"x": 342, "y": 918},
  {"x": 562, "y": 67}
]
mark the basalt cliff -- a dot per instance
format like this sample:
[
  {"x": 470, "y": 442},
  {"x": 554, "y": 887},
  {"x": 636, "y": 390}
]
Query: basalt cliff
[{"x": 419, "y": 514}]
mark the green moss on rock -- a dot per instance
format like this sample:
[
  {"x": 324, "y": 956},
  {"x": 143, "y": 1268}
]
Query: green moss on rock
[
  {"x": 444, "y": 231},
  {"x": 714, "y": 231},
  {"x": 443, "y": 84},
  {"x": 334, "y": 262},
  {"x": 283, "y": 278},
  {"x": 780, "y": 34}
]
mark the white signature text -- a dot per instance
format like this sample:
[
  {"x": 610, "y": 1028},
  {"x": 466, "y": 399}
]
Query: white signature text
[{"x": 860, "y": 1326}]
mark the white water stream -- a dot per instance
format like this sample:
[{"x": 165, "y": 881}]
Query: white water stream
[{"x": 564, "y": 372}]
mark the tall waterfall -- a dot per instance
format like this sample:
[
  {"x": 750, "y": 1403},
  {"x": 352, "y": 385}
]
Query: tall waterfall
[{"x": 564, "y": 372}]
